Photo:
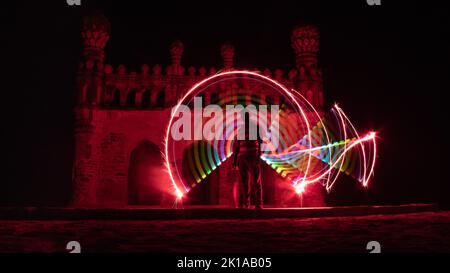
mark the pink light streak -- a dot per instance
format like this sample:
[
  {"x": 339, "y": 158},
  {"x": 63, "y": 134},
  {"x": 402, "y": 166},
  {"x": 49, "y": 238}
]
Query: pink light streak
[
  {"x": 329, "y": 174},
  {"x": 177, "y": 190}
]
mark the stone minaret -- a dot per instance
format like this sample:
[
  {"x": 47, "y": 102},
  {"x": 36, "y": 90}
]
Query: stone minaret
[
  {"x": 176, "y": 53},
  {"x": 175, "y": 71},
  {"x": 95, "y": 31},
  {"x": 227, "y": 53},
  {"x": 305, "y": 42}
]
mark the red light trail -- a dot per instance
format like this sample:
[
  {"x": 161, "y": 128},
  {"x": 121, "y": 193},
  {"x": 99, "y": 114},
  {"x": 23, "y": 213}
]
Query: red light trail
[{"x": 305, "y": 154}]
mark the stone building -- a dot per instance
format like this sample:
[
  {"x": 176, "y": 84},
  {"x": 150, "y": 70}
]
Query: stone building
[{"x": 121, "y": 119}]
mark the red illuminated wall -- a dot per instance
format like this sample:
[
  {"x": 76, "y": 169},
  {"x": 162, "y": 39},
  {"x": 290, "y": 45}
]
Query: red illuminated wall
[{"x": 121, "y": 119}]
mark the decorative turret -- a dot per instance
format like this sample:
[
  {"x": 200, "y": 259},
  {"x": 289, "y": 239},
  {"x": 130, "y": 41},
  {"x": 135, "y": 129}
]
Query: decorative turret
[
  {"x": 95, "y": 30},
  {"x": 227, "y": 52},
  {"x": 176, "y": 52},
  {"x": 305, "y": 42}
]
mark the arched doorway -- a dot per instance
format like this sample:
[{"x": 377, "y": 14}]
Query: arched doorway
[
  {"x": 131, "y": 99},
  {"x": 115, "y": 102},
  {"x": 144, "y": 184},
  {"x": 160, "y": 99},
  {"x": 146, "y": 96}
]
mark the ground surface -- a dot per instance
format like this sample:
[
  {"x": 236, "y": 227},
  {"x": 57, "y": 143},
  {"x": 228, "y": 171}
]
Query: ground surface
[{"x": 417, "y": 232}]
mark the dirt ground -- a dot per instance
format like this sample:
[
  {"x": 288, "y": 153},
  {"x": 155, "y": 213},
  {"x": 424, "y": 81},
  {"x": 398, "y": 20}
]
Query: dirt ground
[{"x": 418, "y": 232}]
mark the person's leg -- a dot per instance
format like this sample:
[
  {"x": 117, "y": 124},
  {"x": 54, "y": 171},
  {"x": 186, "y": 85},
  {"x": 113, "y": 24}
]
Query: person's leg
[
  {"x": 243, "y": 176},
  {"x": 256, "y": 182}
]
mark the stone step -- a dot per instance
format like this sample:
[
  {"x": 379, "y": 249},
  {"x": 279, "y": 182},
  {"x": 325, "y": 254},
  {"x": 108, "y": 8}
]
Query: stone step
[{"x": 202, "y": 212}]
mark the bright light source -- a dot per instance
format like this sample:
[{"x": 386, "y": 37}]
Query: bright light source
[
  {"x": 179, "y": 193},
  {"x": 300, "y": 188}
]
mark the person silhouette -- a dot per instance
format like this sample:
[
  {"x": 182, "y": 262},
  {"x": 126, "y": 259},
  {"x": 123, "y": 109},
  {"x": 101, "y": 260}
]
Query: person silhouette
[{"x": 246, "y": 160}]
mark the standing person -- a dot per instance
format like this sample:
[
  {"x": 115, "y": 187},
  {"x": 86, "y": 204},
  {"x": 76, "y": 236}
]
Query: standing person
[{"x": 246, "y": 158}]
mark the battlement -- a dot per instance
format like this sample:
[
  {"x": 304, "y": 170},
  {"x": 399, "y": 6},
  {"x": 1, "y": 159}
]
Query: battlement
[
  {"x": 147, "y": 90},
  {"x": 103, "y": 85}
]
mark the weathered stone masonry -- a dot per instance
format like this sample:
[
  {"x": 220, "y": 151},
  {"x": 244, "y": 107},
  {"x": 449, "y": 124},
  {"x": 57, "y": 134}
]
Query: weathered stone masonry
[{"x": 121, "y": 119}]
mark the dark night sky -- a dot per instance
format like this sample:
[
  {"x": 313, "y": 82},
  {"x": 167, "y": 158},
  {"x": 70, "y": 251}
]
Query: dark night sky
[{"x": 387, "y": 67}]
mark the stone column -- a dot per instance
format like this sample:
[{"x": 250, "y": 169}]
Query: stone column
[{"x": 86, "y": 164}]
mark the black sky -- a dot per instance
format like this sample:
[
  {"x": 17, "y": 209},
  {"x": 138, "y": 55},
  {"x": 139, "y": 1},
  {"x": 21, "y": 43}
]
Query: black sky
[{"x": 386, "y": 66}]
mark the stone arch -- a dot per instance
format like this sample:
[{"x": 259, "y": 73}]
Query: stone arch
[
  {"x": 214, "y": 98},
  {"x": 115, "y": 102},
  {"x": 131, "y": 98},
  {"x": 161, "y": 99},
  {"x": 144, "y": 184},
  {"x": 146, "y": 97},
  {"x": 107, "y": 96}
]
